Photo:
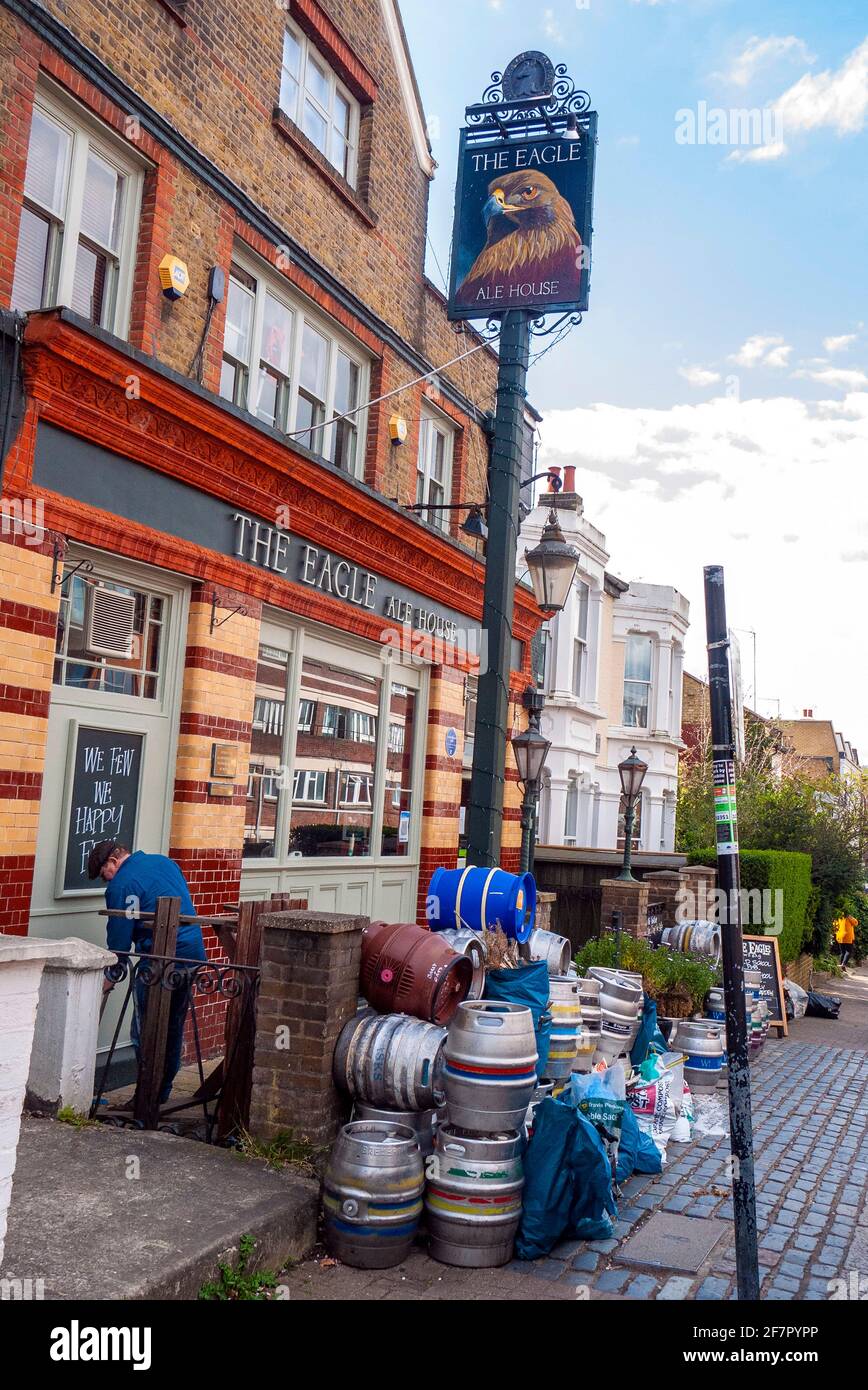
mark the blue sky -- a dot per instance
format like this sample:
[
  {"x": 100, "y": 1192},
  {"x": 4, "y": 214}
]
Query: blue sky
[{"x": 715, "y": 398}]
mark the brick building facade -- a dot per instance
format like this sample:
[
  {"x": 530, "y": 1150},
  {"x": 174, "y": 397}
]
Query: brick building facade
[{"x": 278, "y": 710}]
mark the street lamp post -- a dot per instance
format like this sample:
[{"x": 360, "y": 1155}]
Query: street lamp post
[
  {"x": 530, "y": 749},
  {"x": 632, "y": 773}
]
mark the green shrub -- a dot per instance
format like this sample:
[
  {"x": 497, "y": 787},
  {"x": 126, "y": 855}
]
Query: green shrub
[
  {"x": 777, "y": 869},
  {"x": 662, "y": 970}
]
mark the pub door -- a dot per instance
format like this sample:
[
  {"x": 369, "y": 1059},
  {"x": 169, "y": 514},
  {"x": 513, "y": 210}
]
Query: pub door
[{"x": 112, "y": 734}]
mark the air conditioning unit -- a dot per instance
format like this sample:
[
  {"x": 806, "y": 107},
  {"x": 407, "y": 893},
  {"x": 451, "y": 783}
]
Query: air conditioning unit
[{"x": 109, "y": 619}]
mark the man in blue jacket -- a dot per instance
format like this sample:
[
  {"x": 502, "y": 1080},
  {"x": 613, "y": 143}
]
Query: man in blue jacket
[{"x": 134, "y": 882}]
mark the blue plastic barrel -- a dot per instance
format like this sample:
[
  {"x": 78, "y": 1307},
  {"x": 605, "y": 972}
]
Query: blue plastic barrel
[{"x": 481, "y": 899}]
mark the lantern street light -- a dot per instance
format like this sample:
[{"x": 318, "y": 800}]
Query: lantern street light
[
  {"x": 531, "y": 750},
  {"x": 632, "y": 773},
  {"x": 552, "y": 566}
]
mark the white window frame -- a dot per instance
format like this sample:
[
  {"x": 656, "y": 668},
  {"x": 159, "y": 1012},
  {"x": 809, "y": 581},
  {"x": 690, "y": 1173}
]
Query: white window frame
[
  {"x": 356, "y": 782},
  {"x": 87, "y": 132},
  {"x": 580, "y": 639},
  {"x": 306, "y": 773},
  {"x": 303, "y": 312},
  {"x": 309, "y": 53},
  {"x": 432, "y": 424},
  {"x": 641, "y": 637}
]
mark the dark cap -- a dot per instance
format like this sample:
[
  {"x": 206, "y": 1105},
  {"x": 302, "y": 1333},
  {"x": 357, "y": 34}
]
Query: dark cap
[{"x": 98, "y": 856}]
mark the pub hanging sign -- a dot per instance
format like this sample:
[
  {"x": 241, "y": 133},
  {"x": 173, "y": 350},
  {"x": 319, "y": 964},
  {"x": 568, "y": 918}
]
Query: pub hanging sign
[{"x": 523, "y": 210}]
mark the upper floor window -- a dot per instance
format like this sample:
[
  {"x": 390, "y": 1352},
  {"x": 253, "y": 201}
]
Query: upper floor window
[
  {"x": 77, "y": 240},
  {"x": 286, "y": 366},
  {"x": 434, "y": 468},
  {"x": 580, "y": 642},
  {"x": 313, "y": 96},
  {"x": 637, "y": 682}
]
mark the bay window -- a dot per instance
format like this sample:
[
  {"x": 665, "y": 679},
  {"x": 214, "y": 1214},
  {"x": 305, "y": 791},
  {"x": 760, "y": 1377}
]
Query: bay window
[
  {"x": 77, "y": 237},
  {"x": 286, "y": 365},
  {"x": 313, "y": 96}
]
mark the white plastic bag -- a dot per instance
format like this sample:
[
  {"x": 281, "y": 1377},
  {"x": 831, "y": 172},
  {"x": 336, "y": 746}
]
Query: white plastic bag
[
  {"x": 798, "y": 998},
  {"x": 652, "y": 1103}
]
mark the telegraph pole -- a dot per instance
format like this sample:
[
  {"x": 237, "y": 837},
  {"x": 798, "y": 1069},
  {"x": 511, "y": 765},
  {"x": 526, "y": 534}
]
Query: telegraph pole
[{"x": 729, "y": 880}]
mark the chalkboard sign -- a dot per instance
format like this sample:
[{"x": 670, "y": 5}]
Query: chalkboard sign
[
  {"x": 102, "y": 796},
  {"x": 761, "y": 953}
]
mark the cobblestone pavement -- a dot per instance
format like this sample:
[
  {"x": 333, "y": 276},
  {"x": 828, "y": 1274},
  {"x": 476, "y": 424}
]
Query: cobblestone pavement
[{"x": 810, "y": 1118}]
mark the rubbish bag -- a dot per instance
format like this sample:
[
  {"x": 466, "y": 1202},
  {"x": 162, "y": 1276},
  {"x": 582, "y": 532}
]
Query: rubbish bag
[
  {"x": 601, "y": 1097},
  {"x": 528, "y": 985},
  {"x": 822, "y": 1005},
  {"x": 649, "y": 1037},
  {"x": 567, "y": 1182},
  {"x": 797, "y": 999},
  {"x": 637, "y": 1152},
  {"x": 652, "y": 1101}
]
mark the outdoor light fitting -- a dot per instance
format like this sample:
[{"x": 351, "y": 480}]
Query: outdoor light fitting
[
  {"x": 531, "y": 751},
  {"x": 632, "y": 774},
  {"x": 552, "y": 566},
  {"x": 472, "y": 525}
]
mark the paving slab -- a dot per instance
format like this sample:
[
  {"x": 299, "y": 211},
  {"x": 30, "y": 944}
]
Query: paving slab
[
  {"x": 669, "y": 1241},
  {"x": 105, "y": 1213}
]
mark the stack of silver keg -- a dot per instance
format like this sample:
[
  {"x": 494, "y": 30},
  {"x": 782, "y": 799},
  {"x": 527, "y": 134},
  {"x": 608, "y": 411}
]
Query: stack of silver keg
[
  {"x": 621, "y": 1002},
  {"x": 392, "y": 1066},
  {"x": 475, "y": 1176}
]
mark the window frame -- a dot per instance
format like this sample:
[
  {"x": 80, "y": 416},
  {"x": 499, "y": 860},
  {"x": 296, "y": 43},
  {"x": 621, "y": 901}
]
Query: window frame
[
  {"x": 309, "y": 52},
  {"x": 303, "y": 313},
  {"x": 432, "y": 424},
  {"x": 87, "y": 133},
  {"x": 312, "y": 640},
  {"x": 649, "y": 683}
]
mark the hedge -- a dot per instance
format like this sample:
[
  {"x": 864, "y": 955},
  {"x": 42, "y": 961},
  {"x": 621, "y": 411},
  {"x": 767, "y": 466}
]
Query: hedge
[{"x": 773, "y": 869}]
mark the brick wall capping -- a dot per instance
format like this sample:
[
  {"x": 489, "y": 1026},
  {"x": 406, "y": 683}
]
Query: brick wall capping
[
  {"x": 327, "y": 37},
  {"x": 313, "y": 923},
  {"x": 297, "y": 138},
  {"x": 78, "y": 375}
]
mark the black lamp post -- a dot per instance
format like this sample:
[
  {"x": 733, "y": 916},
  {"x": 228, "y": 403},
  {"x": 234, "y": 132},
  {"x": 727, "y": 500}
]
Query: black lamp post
[
  {"x": 531, "y": 751},
  {"x": 632, "y": 773}
]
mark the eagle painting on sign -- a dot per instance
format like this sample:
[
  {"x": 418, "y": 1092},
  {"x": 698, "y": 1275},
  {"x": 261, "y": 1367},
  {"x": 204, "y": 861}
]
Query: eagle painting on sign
[{"x": 523, "y": 227}]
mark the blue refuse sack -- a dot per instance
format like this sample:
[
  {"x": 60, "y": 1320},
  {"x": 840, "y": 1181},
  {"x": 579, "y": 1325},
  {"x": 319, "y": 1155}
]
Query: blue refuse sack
[
  {"x": 637, "y": 1152},
  {"x": 649, "y": 1037},
  {"x": 567, "y": 1182},
  {"x": 594, "y": 1095},
  {"x": 528, "y": 985}
]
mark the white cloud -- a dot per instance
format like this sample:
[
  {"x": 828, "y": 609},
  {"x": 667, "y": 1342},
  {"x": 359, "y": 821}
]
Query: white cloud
[
  {"x": 759, "y": 351},
  {"x": 848, "y": 379},
  {"x": 551, "y": 27},
  {"x": 672, "y": 489},
  {"x": 838, "y": 344},
  {"x": 698, "y": 376},
  {"x": 758, "y": 53},
  {"x": 837, "y": 100},
  {"x": 759, "y": 154}
]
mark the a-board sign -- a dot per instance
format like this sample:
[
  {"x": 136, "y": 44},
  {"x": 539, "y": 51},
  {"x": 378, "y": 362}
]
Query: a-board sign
[
  {"x": 103, "y": 796},
  {"x": 761, "y": 953}
]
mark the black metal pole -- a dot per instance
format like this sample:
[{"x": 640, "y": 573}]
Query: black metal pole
[
  {"x": 738, "y": 1067},
  {"x": 618, "y": 924},
  {"x": 485, "y": 804},
  {"x": 626, "y": 868}
]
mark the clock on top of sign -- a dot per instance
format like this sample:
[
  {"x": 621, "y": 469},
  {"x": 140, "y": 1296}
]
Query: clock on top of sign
[{"x": 528, "y": 75}]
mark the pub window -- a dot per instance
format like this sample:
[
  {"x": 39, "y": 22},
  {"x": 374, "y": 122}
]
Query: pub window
[
  {"x": 79, "y": 221},
  {"x": 75, "y": 664},
  {"x": 399, "y": 791},
  {"x": 286, "y": 365},
  {"x": 264, "y": 780},
  {"x": 434, "y": 468},
  {"x": 637, "y": 682},
  {"x": 313, "y": 96}
]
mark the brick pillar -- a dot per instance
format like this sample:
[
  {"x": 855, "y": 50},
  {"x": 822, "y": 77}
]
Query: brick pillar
[
  {"x": 28, "y": 626},
  {"x": 701, "y": 881},
  {"x": 442, "y": 798},
  {"x": 310, "y": 986},
  {"x": 544, "y": 907},
  {"x": 665, "y": 886},
  {"x": 631, "y": 899}
]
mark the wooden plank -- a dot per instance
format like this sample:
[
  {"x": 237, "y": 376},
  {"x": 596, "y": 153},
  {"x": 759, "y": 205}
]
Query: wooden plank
[
  {"x": 240, "y": 1031},
  {"x": 155, "y": 1026}
]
